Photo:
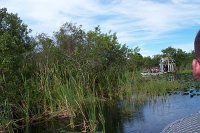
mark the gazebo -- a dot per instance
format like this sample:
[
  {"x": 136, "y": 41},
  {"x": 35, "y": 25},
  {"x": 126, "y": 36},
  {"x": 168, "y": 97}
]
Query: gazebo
[{"x": 167, "y": 64}]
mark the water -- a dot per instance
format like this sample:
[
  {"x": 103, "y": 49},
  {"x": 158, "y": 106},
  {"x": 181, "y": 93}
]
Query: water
[
  {"x": 140, "y": 115},
  {"x": 153, "y": 117}
]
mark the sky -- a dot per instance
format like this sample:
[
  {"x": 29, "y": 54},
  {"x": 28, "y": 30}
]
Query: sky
[{"x": 152, "y": 25}]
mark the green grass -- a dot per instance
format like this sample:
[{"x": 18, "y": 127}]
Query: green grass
[
  {"x": 152, "y": 86},
  {"x": 49, "y": 95},
  {"x": 54, "y": 93}
]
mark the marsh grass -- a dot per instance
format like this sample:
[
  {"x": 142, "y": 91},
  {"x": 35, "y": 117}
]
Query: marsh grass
[
  {"x": 59, "y": 92},
  {"x": 48, "y": 95},
  {"x": 152, "y": 86}
]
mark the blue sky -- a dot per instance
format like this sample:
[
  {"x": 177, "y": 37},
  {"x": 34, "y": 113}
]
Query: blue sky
[{"x": 152, "y": 25}]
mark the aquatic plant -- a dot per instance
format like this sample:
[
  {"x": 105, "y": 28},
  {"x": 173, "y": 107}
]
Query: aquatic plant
[{"x": 152, "y": 86}]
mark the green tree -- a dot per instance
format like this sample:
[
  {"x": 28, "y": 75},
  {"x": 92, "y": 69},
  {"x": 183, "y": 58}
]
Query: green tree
[
  {"x": 136, "y": 61},
  {"x": 156, "y": 60},
  {"x": 45, "y": 50},
  {"x": 136, "y": 50},
  {"x": 147, "y": 62},
  {"x": 15, "y": 42},
  {"x": 180, "y": 57},
  {"x": 169, "y": 52},
  {"x": 69, "y": 37},
  {"x": 105, "y": 48}
]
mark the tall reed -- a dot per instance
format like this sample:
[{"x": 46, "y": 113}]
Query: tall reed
[
  {"x": 50, "y": 93},
  {"x": 154, "y": 86}
]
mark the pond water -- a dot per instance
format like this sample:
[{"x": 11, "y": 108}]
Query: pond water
[{"x": 153, "y": 115}]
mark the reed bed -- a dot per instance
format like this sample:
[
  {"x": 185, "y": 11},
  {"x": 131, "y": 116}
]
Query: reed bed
[
  {"x": 58, "y": 93},
  {"x": 152, "y": 86},
  {"x": 50, "y": 94}
]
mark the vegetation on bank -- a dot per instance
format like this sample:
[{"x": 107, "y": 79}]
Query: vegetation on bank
[
  {"x": 69, "y": 75},
  {"x": 157, "y": 87}
]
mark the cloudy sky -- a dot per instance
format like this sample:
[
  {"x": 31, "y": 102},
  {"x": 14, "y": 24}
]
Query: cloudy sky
[{"x": 152, "y": 25}]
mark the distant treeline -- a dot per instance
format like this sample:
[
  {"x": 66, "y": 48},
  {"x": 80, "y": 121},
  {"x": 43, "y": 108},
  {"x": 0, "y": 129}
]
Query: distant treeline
[{"x": 182, "y": 59}]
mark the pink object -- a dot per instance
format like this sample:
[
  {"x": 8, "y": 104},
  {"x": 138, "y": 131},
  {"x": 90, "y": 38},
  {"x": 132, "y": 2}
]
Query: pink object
[
  {"x": 196, "y": 62},
  {"x": 196, "y": 69}
]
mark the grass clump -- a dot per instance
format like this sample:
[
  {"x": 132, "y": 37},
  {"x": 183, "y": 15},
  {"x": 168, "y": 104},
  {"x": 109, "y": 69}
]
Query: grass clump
[{"x": 155, "y": 87}]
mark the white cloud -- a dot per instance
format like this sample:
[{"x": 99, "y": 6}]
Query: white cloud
[
  {"x": 134, "y": 21},
  {"x": 188, "y": 47}
]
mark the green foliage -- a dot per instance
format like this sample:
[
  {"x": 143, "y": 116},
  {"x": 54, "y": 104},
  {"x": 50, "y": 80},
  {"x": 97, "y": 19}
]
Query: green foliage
[
  {"x": 182, "y": 59},
  {"x": 136, "y": 50},
  {"x": 59, "y": 74},
  {"x": 147, "y": 62},
  {"x": 169, "y": 52},
  {"x": 156, "y": 86},
  {"x": 68, "y": 73},
  {"x": 156, "y": 60},
  {"x": 14, "y": 43},
  {"x": 135, "y": 61},
  {"x": 105, "y": 48},
  {"x": 69, "y": 37}
]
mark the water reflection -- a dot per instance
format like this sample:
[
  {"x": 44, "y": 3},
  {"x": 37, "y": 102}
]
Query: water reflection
[
  {"x": 142, "y": 114},
  {"x": 113, "y": 121},
  {"x": 152, "y": 115},
  {"x": 139, "y": 115}
]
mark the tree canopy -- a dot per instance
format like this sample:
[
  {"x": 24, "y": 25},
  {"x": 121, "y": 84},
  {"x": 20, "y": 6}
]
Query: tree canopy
[{"x": 14, "y": 41}]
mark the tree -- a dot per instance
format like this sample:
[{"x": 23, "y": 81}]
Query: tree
[
  {"x": 136, "y": 61},
  {"x": 169, "y": 52},
  {"x": 136, "y": 50},
  {"x": 147, "y": 62},
  {"x": 46, "y": 49},
  {"x": 183, "y": 60},
  {"x": 180, "y": 57},
  {"x": 106, "y": 48},
  {"x": 156, "y": 60},
  {"x": 14, "y": 42},
  {"x": 70, "y": 36}
]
